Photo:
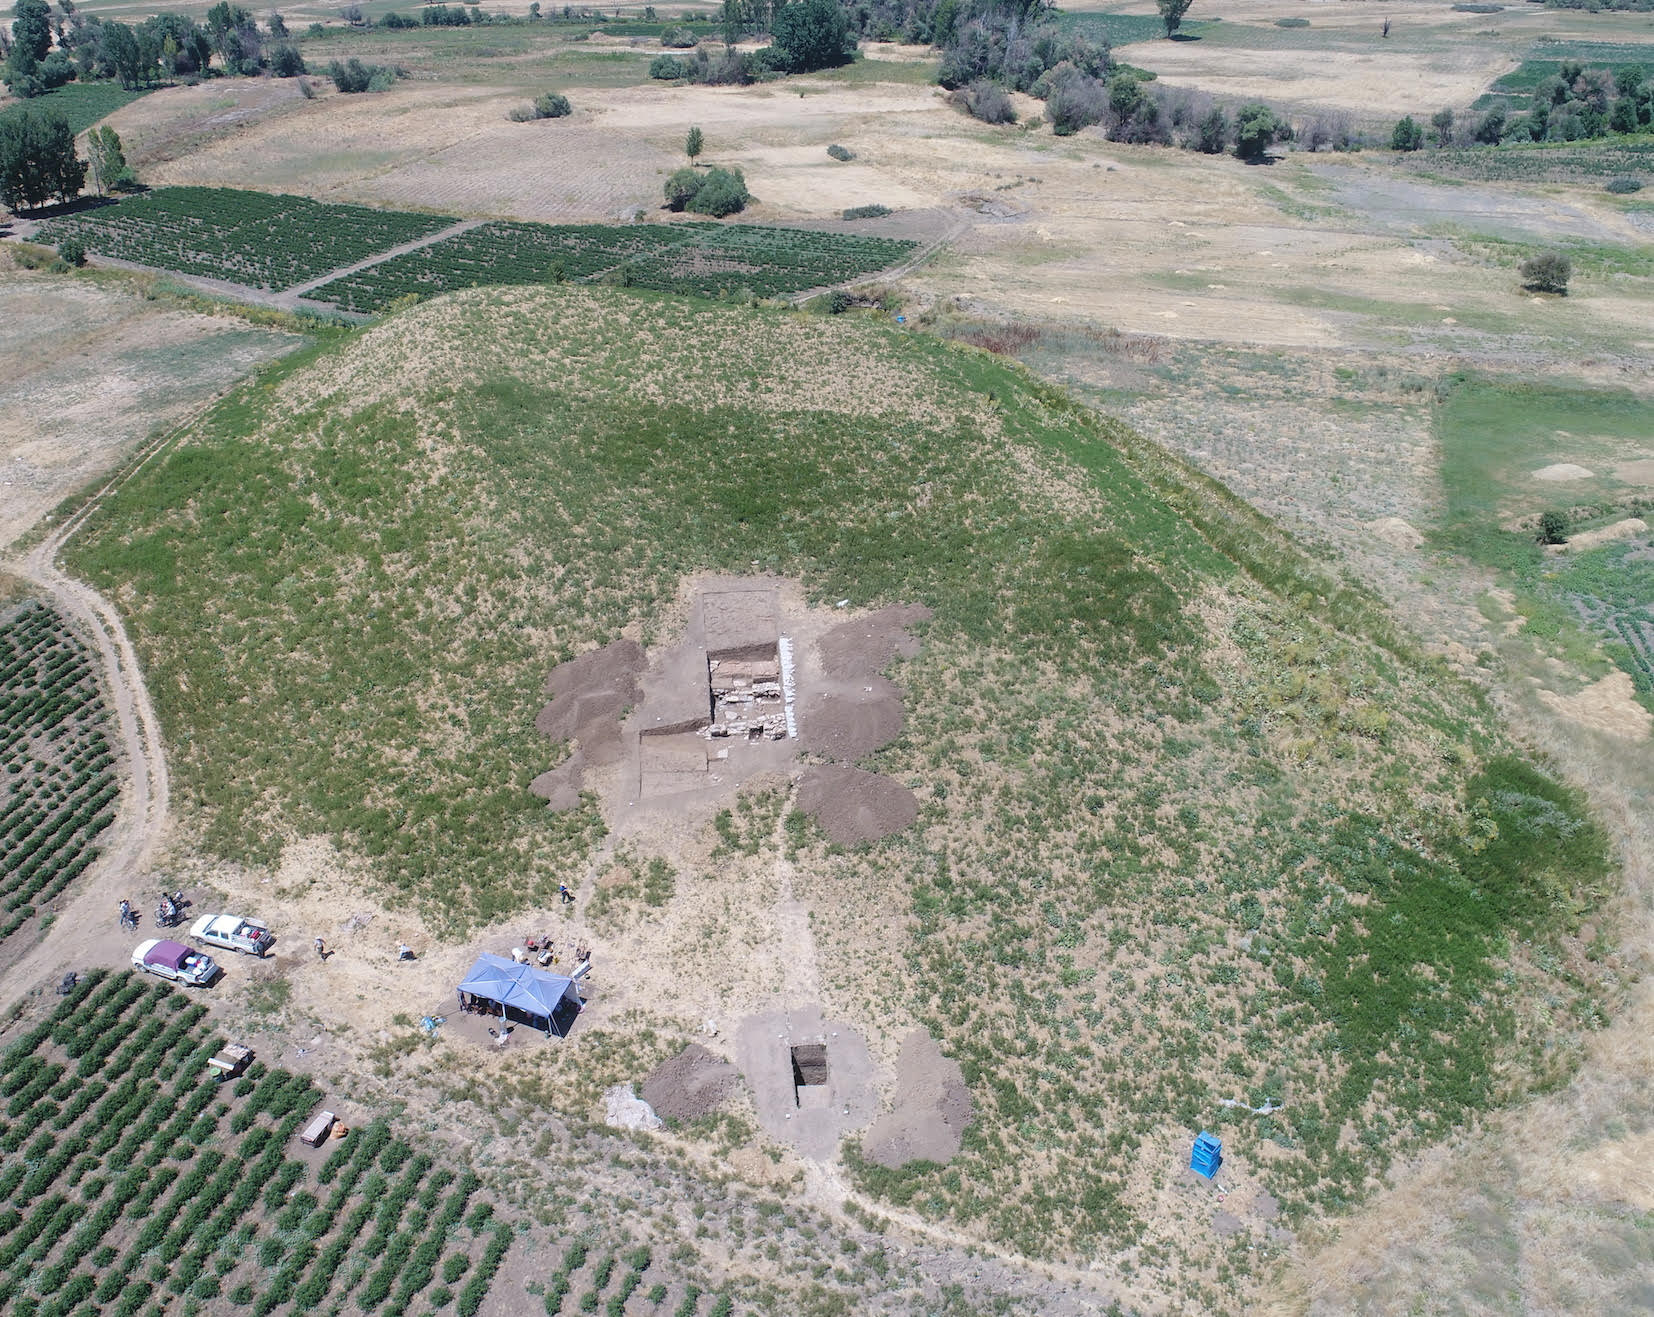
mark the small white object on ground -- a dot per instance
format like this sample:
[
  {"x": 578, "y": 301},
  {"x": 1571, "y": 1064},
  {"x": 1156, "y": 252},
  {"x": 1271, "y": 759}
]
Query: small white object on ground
[{"x": 624, "y": 1109}]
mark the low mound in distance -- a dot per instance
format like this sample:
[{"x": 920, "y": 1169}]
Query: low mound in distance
[{"x": 1192, "y": 825}]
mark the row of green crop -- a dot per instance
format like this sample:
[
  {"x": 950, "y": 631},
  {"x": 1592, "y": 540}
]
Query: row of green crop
[
  {"x": 703, "y": 259},
  {"x": 57, "y": 780},
  {"x": 245, "y": 237},
  {"x": 115, "y": 1130}
]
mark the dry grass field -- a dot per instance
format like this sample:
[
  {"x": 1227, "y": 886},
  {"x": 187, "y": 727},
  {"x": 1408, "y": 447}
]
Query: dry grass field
[{"x": 1300, "y": 331}]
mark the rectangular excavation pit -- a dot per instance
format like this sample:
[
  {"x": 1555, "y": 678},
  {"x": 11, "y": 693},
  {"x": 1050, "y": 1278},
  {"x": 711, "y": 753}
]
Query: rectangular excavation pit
[
  {"x": 809, "y": 1063},
  {"x": 744, "y": 693}
]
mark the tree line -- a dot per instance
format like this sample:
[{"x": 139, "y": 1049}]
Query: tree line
[
  {"x": 46, "y": 50},
  {"x": 1574, "y": 104}
]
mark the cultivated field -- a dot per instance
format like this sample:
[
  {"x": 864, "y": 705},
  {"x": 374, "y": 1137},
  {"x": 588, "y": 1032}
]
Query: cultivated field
[{"x": 59, "y": 787}]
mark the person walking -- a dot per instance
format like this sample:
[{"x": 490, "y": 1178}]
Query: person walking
[
  {"x": 563, "y": 891},
  {"x": 321, "y": 950}
]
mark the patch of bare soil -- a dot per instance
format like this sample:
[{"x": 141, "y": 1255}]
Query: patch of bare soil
[
  {"x": 855, "y": 711},
  {"x": 853, "y": 806},
  {"x": 1609, "y": 706},
  {"x": 693, "y": 1083},
  {"x": 1557, "y": 471},
  {"x": 588, "y": 696},
  {"x": 932, "y": 1108}
]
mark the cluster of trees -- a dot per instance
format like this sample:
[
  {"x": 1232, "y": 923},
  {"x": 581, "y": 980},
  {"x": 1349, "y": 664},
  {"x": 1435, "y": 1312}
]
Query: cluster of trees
[
  {"x": 47, "y": 50},
  {"x": 38, "y": 163},
  {"x": 718, "y": 192},
  {"x": 805, "y": 35},
  {"x": 1573, "y": 104},
  {"x": 353, "y": 76}
]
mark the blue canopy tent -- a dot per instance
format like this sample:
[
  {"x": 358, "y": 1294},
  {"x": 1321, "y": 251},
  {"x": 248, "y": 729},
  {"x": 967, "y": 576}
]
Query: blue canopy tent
[{"x": 525, "y": 994}]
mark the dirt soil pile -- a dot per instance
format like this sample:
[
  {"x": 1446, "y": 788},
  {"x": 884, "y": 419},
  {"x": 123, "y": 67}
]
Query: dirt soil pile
[
  {"x": 933, "y": 1106},
  {"x": 589, "y": 694},
  {"x": 853, "y": 806},
  {"x": 851, "y": 713},
  {"x": 693, "y": 1083}
]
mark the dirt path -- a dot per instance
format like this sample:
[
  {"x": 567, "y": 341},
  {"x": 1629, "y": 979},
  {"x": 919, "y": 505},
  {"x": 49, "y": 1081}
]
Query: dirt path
[
  {"x": 82, "y": 934},
  {"x": 378, "y": 258},
  {"x": 801, "y": 979}
]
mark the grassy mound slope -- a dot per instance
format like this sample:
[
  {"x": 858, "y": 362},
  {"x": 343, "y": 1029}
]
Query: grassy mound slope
[{"x": 1187, "y": 832}]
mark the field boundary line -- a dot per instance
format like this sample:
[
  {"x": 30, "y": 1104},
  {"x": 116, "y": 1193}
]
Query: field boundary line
[
  {"x": 378, "y": 258},
  {"x": 959, "y": 226}
]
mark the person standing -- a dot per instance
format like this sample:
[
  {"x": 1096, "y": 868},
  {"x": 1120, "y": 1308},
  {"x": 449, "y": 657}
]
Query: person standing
[{"x": 321, "y": 950}]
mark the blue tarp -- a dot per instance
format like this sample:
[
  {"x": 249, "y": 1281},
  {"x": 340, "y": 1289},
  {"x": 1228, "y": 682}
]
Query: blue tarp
[{"x": 545, "y": 1001}]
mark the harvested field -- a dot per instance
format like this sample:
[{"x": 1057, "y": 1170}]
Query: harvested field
[{"x": 92, "y": 371}]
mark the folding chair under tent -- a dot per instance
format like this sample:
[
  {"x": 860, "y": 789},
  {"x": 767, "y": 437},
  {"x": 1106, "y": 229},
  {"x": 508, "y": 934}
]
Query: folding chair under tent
[{"x": 527, "y": 995}]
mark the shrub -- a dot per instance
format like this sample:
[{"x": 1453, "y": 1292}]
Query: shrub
[
  {"x": 679, "y": 38},
  {"x": 666, "y": 68},
  {"x": 1211, "y": 133},
  {"x": 1547, "y": 272},
  {"x": 1256, "y": 127},
  {"x": 1406, "y": 135},
  {"x": 682, "y": 187},
  {"x": 1292, "y": 22},
  {"x": 1624, "y": 185},
  {"x": 1553, "y": 527},
  {"x": 722, "y": 192},
  {"x": 986, "y": 101},
  {"x": 353, "y": 76},
  {"x": 840, "y": 152},
  {"x": 866, "y": 212},
  {"x": 548, "y": 105},
  {"x": 72, "y": 251},
  {"x": 286, "y": 61}
]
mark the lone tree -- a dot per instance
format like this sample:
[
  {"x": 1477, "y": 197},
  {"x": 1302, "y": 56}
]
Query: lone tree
[
  {"x": 37, "y": 159},
  {"x": 1553, "y": 527},
  {"x": 811, "y": 35},
  {"x": 1547, "y": 272},
  {"x": 1256, "y": 128},
  {"x": 1171, "y": 13},
  {"x": 109, "y": 168},
  {"x": 693, "y": 143},
  {"x": 1406, "y": 135}
]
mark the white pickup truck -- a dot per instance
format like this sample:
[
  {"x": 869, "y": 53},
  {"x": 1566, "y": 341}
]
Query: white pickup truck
[{"x": 233, "y": 933}]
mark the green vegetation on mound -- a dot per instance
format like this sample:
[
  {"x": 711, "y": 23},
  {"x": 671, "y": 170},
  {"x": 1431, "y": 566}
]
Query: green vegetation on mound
[
  {"x": 133, "y": 1181},
  {"x": 57, "y": 781},
  {"x": 1193, "y": 826}
]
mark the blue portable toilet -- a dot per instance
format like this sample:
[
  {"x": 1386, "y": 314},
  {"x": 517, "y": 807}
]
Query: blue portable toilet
[{"x": 1207, "y": 1155}]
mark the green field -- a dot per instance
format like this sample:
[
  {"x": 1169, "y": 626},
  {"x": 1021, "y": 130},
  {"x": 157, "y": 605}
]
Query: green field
[
  {"x": 57, "y": 781},
  {"x": 1593, "y": 161},
  {"x": 251, "y": 238},
  {"x": 85, "y": 103},
  {"x": 277, "y": 242},
  {"x": 1193, "y": 825},
  {"x": 683, "y": 258},
  {"x": 133, "y": 1182},
  {"x": 1494, "y": 434}
]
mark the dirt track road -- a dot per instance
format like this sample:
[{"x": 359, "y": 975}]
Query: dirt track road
[{"x": 85, "y": 931}]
